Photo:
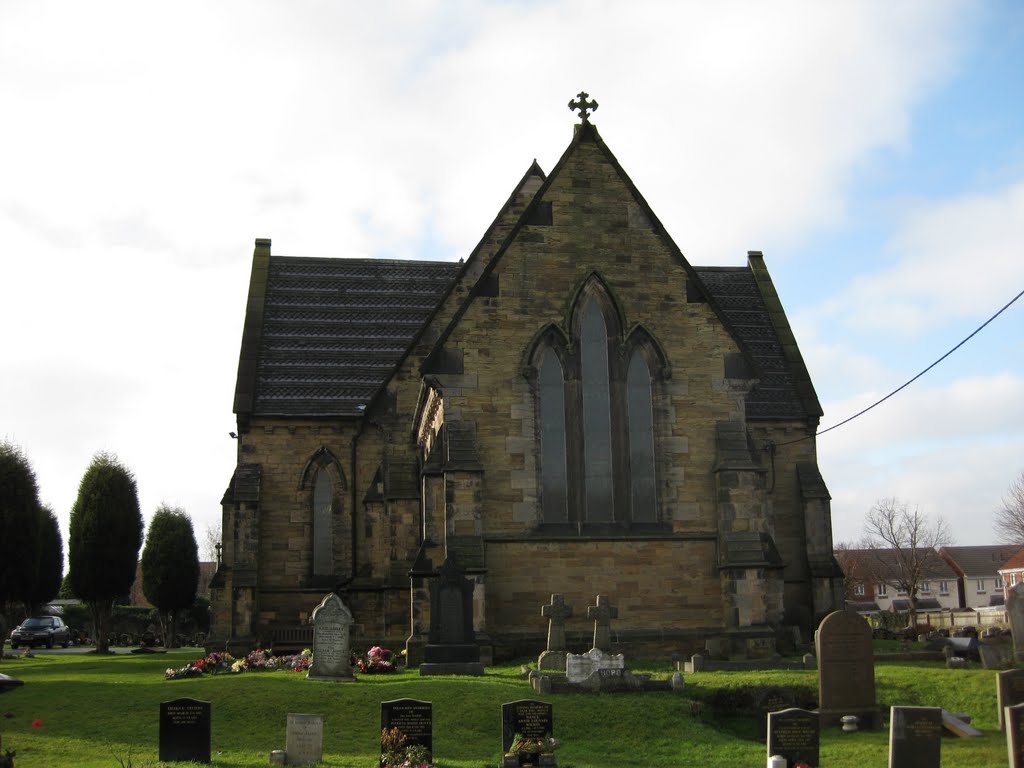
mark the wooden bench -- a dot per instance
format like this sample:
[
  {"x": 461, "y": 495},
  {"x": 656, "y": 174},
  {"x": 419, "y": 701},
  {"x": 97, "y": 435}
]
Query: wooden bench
[{"x": 287, "y": 640}]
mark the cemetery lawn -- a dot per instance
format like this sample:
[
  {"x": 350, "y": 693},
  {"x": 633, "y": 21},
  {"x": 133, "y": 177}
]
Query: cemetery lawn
[{"x": 83, "y": 710}]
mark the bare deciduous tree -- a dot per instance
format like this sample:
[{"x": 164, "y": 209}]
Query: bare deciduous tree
[
  {"x": 905, "y": 543},
  {"x": 211, "y": 538},
  {"x": 1009, "y": 522}
]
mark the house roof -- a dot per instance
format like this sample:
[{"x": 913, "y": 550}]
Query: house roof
[
  {"x": 983, "y": 560},
  {"x": 882, "y": 564},
  {"x": 322, "y": 336},
  {"x": 1014, "y": 562}
]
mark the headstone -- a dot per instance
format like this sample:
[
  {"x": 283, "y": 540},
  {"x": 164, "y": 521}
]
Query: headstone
[
  {"x": 795, "y": 735},
  {"x": 770, "y": 700},
  {"x": 185, "y": 731},
  {"x": 915, "y": 737},
  {"x": 304, "y": 740},
  {"x": 332, "y": 656},
  {"x": 996, "y": 653},
  {"x": 1015, "y": 612},
  {"x": 959, "y": 724},
  {"x": 8, "y": 683},
  {"x": 1009, "y": 690},
  {"x": 846, "y": 669},
  {"x": 1014, "y": 720},
  {"x": 414, "y": 718},
  {"x": 578, "y": 667},
  {"x": 602, "y": 614},
  {"x": 529, "y": 718},
  {"x": 556, "y": 613},
  {"x": 451, "y": 646}
]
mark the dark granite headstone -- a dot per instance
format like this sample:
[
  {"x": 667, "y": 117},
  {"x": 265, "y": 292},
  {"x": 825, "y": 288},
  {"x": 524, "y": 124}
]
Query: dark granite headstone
[
  {"x": 915, "y": 737},
  {"x": 185, "y": 731},
  {"x": 795, "y": 735},
  {"x": 414, "y": 718},
  {"x": 1009, "y": 690},
  {"x": 1014, "y": 719},
  {"x": 451, "y": 647},
  {"x": 532, "y": 719},
  {"x": 772, "y": 700},
  {"x": 846, "y": 669}
]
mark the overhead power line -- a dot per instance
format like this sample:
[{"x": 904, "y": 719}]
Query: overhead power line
[{"x": 974, "y": 333}]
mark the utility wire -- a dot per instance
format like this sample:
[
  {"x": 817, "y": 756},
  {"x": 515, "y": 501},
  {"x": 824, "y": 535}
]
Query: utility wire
[{"x": 911, "y": 381}]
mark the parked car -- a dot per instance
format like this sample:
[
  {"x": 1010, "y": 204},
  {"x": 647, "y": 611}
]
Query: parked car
[{"x": 41, "y": 630}]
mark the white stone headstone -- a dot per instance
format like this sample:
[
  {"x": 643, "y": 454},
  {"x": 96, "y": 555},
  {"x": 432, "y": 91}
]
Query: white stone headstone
[
  {"x": 578, "y": 667},
  {"x": 332, "y": 624},
  {"x": 304, "y": 742}
]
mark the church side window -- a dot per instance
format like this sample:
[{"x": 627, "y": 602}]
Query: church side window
[
  {"x": 552, "y": 439},
  {"x": 323, "y": 533}
]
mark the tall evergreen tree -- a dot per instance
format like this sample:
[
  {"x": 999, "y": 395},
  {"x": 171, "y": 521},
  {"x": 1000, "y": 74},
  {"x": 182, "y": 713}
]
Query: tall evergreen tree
[
  {"x": 104, "y": 539},
  {"x": 49, "y": 561},
  {"x": 19, "y": 527},
  {"x": 170, "y": 567}
]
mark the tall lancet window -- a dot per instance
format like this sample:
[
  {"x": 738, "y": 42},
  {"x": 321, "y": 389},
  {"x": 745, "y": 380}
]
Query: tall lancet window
[
  {"x": 323, "y": 524},
  {"x": 643, "y": 491},
  {"x": 552, "y": 440},
  {"x": 597, "y": 422}
]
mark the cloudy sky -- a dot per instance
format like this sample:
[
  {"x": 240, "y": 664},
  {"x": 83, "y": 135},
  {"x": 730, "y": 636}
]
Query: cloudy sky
[{"x": 873, "y": 150}]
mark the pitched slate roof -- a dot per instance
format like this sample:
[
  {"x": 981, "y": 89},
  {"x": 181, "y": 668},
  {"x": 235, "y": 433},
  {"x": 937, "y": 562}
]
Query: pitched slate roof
[
  {"x": 784, "y": 390},
  {"x": 334, "y": 329},
  {"x": 984, "y": 560}
]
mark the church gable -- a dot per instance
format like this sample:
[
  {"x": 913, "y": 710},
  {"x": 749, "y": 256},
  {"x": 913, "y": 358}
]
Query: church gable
[{"x": 574, "y": 409}]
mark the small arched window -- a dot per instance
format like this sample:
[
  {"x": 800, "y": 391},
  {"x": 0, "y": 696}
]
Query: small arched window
[{"x": 323, "y": 524}]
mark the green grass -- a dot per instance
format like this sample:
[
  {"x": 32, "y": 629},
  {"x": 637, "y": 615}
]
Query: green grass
[{"x": 94, "y": 710}]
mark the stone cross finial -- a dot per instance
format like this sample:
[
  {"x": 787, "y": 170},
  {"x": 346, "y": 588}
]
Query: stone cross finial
[
  {"x": 585, "y": 107},
  {"x": 556, "y": 612},
  {"x": 602, "y": 614}
]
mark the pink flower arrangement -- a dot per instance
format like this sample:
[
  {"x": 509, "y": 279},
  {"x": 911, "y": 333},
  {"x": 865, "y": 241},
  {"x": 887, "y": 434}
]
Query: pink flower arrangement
[{"x": 376, "y": 661}]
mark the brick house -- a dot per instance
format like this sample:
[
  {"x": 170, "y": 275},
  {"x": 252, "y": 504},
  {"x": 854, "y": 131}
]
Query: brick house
[
  {"x": 1011, "y": 573},
  {"x": 574, "y": 408}
]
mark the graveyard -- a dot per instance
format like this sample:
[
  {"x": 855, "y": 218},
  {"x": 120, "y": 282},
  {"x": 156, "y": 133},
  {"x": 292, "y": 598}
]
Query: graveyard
[{"x": 83, "y": 710}]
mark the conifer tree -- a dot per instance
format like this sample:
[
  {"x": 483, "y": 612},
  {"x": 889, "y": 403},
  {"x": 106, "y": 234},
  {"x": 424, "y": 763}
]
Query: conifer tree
[
  {"x": 19, "y": 525},
  {"x": 170, "y": 567},
  {"x": 104, "y": 540}
]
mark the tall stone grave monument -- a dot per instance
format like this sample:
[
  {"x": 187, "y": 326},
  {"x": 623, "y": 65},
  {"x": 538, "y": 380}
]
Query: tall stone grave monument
[
  {"x": 332, "y": 657},
  {"x": 1013, "y": 718},
  {"x": 846, "y": 670},
  {"x": 451, "y": 647},
  {"x": 1009, "y": 691},
  {"x": 1015, "y": 610},
  {"x": 556, "y": 612},
  {"x": 602, "y": 613}
]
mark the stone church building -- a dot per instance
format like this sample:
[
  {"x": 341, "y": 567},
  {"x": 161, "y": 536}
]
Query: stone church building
[{"x": 573, "y": 408}]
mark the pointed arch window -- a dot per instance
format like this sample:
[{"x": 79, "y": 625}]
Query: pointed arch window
[
  {"x": 552, "y": 439},
  {"x": 596, "y": 418},
  {"x": 323, "y": 524}
]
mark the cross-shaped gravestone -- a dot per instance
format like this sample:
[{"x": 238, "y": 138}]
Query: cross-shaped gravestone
[
  {"x": 602, "y": 614},
  {"x": 556, "y": 612},
  {"x": 585, "y": 107}
]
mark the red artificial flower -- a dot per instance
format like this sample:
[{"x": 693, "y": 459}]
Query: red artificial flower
[{"x": 37, "y": 723}]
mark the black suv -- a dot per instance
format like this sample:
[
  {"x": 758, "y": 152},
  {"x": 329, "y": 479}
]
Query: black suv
[{"x": 41, "y": 630}]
